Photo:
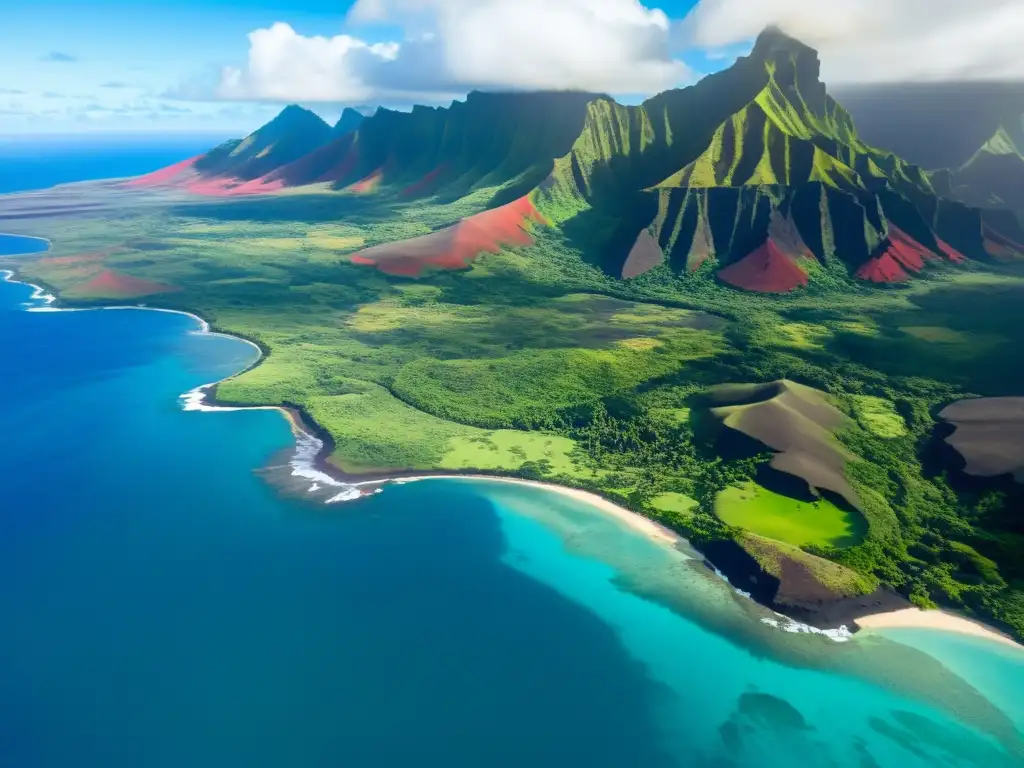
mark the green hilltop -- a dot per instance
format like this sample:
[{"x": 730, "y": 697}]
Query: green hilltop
[
  {"x": 292, "y": 134},
  {"x": 994, "y": 176},
  {"x": 1002, "y": 143}
]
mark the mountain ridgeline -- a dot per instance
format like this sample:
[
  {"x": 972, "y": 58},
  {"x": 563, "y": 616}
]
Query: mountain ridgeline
[
  {"x": 757, "y": 173},
  {"x": 503, "y": 141},
  {"x": 754, "y": 175}
]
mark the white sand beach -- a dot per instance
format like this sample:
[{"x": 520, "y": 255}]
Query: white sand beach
[{"x": 915, "y": 618}]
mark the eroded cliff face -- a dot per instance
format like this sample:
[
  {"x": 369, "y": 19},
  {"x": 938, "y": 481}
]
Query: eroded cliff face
[{"x": 764, "y": 194}]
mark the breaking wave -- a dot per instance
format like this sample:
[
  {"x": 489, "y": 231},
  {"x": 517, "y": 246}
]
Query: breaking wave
[{"x": 786, "y": 624}]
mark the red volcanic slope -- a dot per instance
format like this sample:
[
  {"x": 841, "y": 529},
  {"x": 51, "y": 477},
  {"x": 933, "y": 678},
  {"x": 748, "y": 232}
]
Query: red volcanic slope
[
  {"x": 883, "y": 269},
  {"x": 219, "y": 186},
  {"x": 998, "y": 246},
  {"x": 368, "y": 184},
  {"x": 114, "y": 284},
  {"x": 907, "y": 251},
  {"x": 456, "y": 246},
  {"x": 258, "y": 186},
  {"x": 766, "y": 270},
  {"x": 341, "y": 169},
  {"x": 338, "y": 158},
  {"x": 902, "y": 256},
  {"x": 78, "y": 258},
  {"x": 168, "y": 175},
  {"x": 426, "y": 184},
  {"x": 950, "y": 252},
  {"x": 215, "y": 187},
  {"x": 183, "y": 176}
]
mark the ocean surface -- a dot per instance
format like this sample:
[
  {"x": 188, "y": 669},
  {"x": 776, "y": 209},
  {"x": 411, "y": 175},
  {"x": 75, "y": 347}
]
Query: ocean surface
[
  {"x": 40, "y": 162},
  {"x": 166, "y": 601}
]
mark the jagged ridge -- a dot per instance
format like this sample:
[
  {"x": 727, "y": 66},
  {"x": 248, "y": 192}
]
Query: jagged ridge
[
  {"x": 755, "y": 172},
  {"x": 772, "y": 178}
]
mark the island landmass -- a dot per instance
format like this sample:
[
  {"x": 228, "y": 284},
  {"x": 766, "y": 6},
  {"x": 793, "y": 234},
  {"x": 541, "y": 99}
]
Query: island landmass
[{"x": 720, "y": 309}]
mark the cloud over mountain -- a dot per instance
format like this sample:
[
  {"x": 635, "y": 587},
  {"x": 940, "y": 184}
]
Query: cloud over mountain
[
  {"x": 872, "y": 41},
  {"x": 286, "y": 66}
]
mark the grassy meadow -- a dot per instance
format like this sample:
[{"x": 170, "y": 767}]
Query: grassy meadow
[{"x": 801, "y": 523}]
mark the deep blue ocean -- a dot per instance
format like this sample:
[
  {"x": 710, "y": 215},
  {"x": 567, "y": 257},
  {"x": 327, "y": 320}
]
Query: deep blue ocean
[
  {"x": 40, "y": 162},
  {"x": 165, "y": 602}
]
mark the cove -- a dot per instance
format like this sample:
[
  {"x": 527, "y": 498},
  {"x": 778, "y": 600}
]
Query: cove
[{"x": 164, "y": 605}]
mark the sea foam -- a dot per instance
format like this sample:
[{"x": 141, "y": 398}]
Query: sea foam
[
  {"x": 786, "y": 624},
  {"x": 303, "y": 461}
]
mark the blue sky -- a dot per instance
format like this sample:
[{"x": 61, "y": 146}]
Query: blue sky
[
  {"x": 67, "y": 66},
  {"x": 126, "y": 55},
  {"x": 225, "y": 67}
]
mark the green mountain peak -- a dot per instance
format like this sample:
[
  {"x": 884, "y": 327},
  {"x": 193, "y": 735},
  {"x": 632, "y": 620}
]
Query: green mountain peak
[
  {"x": 792, "y": 132},
  {"x": 994, "y": 176},
  {"x": 789, "y": 61},
  {"x": 294, "y": 132},
  {"x": 773, "y": 40},
  {"x": 350, "y": 120},
  {"x": 1001, "y": 143},
  {"x": 294, "y": 117}
]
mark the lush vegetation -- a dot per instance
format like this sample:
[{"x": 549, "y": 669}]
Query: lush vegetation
[{"x": 534, "y": 362}]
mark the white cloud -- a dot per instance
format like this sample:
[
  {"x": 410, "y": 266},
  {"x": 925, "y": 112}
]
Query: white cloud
[
  {"x": 879, "y": 40},
  {"x": 286, "y": 66},
  {"x": 451, "y": 46},
  {"x": 622, "y": 47},
  {"x": 607, "y": 45}
]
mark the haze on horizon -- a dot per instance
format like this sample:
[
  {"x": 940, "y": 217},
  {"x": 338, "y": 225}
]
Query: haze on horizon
[{"x": 190, "y": 66}]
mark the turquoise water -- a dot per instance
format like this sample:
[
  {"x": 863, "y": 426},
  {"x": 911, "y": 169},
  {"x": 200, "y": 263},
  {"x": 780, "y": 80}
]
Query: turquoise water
[
  {"x": 996, "y": 672},
  {"x": 164, "y": 604}
]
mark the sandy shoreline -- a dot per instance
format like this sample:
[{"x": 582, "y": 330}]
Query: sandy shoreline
[
  {"x": 632, "y": 519},
  {"x": 915, "y": 618}
]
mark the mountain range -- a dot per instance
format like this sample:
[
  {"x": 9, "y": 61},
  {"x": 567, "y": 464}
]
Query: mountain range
[{"x": 754, "y": 175}]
